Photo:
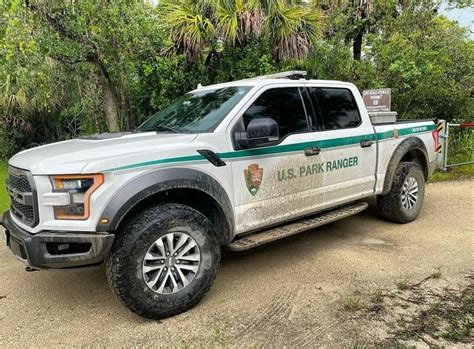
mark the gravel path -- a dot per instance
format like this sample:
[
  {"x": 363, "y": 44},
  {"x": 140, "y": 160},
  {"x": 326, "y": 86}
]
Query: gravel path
[{"x": 288, "y": 293}]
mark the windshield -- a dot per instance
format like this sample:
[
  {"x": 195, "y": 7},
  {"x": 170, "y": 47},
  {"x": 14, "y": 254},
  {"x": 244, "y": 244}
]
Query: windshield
[{"x": 196, "y": 112}]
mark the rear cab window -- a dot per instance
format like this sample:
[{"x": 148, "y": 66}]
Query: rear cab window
[{"x": 335, "y": 108}]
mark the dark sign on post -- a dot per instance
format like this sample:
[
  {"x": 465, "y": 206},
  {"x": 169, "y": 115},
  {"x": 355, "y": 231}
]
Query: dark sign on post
[{"x": 377, "y": 100}]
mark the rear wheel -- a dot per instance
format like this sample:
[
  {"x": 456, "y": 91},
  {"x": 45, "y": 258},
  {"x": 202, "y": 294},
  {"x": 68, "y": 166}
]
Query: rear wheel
[
  {"x": 404, "y": 201},
  {"x": 163, "y": 261}
]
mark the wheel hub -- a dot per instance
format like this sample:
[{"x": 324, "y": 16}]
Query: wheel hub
[
  {"x": 409, "y": 195},
  {"x": 171, "y": 263}
]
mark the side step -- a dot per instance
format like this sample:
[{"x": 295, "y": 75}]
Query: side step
[{"x": 247, "y": 242}]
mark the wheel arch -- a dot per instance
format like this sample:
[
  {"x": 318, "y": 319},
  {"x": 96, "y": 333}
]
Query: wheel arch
[
  {"x": 185, "y": 186},
  {"x": 411, "y": 150}
]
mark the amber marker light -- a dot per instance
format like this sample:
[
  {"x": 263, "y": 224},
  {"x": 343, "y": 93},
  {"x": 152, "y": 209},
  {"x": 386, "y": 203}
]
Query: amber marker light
[{"x": 80, "y": 188}]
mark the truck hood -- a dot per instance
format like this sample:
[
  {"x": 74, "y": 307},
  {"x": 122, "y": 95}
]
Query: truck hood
[{"x": 97, "y": 153}]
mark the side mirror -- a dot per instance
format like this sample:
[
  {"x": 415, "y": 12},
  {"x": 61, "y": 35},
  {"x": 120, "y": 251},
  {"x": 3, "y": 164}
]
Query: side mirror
[{"x": 259, "y": 131}]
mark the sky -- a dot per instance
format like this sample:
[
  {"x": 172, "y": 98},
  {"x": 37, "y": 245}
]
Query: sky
[{"x": 464, "y": 16}]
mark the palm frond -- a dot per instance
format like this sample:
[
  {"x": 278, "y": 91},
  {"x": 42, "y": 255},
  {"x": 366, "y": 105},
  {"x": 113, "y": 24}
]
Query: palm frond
[
  {"x": 227, "y": 17},
  {"x": 13, "y": 98},
  {"x": 188, "y": 27},
  {"x": 239, "y": 19},
  {"x": 292, "y": 29}
]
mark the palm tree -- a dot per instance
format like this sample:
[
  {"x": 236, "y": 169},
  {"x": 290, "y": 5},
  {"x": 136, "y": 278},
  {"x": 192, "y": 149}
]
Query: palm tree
[
  {"x": 13, "y": 98},
  {"x": 197, "y": 25},
  {"x": 292, "y": 28},
  {"x": 189, "y": 25}
]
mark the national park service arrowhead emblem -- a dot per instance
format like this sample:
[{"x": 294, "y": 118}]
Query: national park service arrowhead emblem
[
  {"x": 253, "y": 178},
  {"x": 395, "y": 133}
]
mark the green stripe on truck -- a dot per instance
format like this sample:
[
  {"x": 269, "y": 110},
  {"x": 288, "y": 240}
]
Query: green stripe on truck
[{"x": 287, "y": 148}]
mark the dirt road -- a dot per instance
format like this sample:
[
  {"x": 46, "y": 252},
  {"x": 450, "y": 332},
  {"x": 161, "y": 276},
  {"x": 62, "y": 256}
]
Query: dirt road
[{"x": 290, "y": 293}]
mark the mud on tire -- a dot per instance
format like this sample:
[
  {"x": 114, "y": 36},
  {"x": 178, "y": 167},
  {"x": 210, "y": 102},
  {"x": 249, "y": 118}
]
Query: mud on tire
[
  {"x": 124, "y": 266},
  {"x": 390, "y": 206}
]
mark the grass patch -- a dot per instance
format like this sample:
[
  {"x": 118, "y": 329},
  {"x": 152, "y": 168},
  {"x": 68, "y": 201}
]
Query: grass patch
[
  {"x": 378, "y": 297},
  {"x": 4, "y": 199},
  {"x": 377, "y": 300},
  {"x": 450, "y": 317},
  {"x": 403, "y": 285},
  {"x": 351, "y": 304},
  {"x": 424, "y": 314},
  {"x": 218, "y": 339},
  {"x": 453, "y": 174}
]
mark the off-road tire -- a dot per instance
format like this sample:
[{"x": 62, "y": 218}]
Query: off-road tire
[
  {"x": 390, "y": 205},
  {"x": 124, "y": 264}
]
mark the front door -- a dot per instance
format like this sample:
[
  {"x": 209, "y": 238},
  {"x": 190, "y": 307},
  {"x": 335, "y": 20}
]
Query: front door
[{"x": 270, "y": 180}]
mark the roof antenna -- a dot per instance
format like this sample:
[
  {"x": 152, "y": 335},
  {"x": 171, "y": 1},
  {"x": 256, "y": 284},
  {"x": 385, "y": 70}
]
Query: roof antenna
[{"x": 199, "y": 86}]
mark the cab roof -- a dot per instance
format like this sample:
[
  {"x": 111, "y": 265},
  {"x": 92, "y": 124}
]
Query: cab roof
[{"x": 290, "y": 77}]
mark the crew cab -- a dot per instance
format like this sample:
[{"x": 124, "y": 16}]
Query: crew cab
[{"x": 232, "y": 165}]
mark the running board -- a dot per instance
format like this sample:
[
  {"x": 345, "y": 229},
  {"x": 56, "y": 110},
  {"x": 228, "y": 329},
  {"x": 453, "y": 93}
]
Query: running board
[{"x": 247, "y": 242}]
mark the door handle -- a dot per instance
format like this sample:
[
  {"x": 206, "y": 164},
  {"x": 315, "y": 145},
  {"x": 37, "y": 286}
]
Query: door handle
[
  {"x": 311, "y": 151},
  {"x": 366, "y": 143}
]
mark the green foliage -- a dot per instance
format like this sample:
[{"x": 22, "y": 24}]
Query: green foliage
[
  {"x": 74, "y": 68},
  {"x": 461, "y": 144},
  {"x": 453, "y": 174},
  {"x": 331, "y": 59},
  {"x": 160, "y": 81},
  {"x": 247, "y": 61},
  {"x": 198, "y": 27},
  {"x": 352, "y": 303},
  {"x": 428, "y": 62},
  {"x": 4, "y": 199}
]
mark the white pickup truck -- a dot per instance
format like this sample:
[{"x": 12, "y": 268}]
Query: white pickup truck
[{"x": 231, "y": 165}]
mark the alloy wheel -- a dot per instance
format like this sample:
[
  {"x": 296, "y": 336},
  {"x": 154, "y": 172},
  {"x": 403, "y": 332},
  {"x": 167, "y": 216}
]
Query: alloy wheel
[
  {"x": 171, "y": 263},
  {"x": 410, "y": 193}
]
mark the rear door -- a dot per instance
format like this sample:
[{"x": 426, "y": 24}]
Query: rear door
[{"x": 348, "y": 144}]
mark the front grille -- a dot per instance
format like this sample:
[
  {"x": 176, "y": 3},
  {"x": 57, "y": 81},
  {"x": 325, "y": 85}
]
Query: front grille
[
  {"x": 24, "y": 212},
  {"x": 20, "y": 182},
  {"x": 21, "y": 189}
]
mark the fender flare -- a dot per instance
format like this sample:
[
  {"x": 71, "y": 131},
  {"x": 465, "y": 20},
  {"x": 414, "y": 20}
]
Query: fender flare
[
  {"x": 406, "y": 146},
  {"x": 152, "y": 183}
]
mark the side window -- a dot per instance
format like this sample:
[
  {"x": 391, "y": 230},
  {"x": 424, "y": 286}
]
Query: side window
[
  {"x": 337, "y": 107},
  {"x": 284, "y": 105}
]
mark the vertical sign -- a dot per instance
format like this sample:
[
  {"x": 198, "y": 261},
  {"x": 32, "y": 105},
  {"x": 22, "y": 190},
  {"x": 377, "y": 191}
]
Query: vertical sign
[{"x": 377, "y": 100}]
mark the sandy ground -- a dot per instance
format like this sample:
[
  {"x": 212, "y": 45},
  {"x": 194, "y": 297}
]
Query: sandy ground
[{"x": 288, "y": 293}]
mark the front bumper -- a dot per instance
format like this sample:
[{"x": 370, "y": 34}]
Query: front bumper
[{"x": 56, "y": 250}]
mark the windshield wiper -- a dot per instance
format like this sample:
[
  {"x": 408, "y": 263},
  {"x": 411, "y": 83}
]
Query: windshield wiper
[{"x": 164, "y": 128}]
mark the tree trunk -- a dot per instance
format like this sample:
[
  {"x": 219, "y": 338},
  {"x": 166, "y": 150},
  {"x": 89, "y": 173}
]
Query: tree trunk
[
  {"x": 212, "y": 65},
  {"x": 357, "y": 45},
  {"x": 110, "y": 100},
  {"x": 125, "y": 110}
]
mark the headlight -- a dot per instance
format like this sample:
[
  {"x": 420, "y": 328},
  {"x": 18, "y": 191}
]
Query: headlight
[{"x": 80, "y": 188}]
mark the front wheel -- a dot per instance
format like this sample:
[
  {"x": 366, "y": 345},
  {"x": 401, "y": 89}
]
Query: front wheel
[
  {"x": 404, "y": 201},
  {"x": 163, "y": 261}
]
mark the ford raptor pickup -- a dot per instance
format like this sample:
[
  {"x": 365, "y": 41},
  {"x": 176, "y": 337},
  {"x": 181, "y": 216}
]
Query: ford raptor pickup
[{"x": 233, "y": 165}]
